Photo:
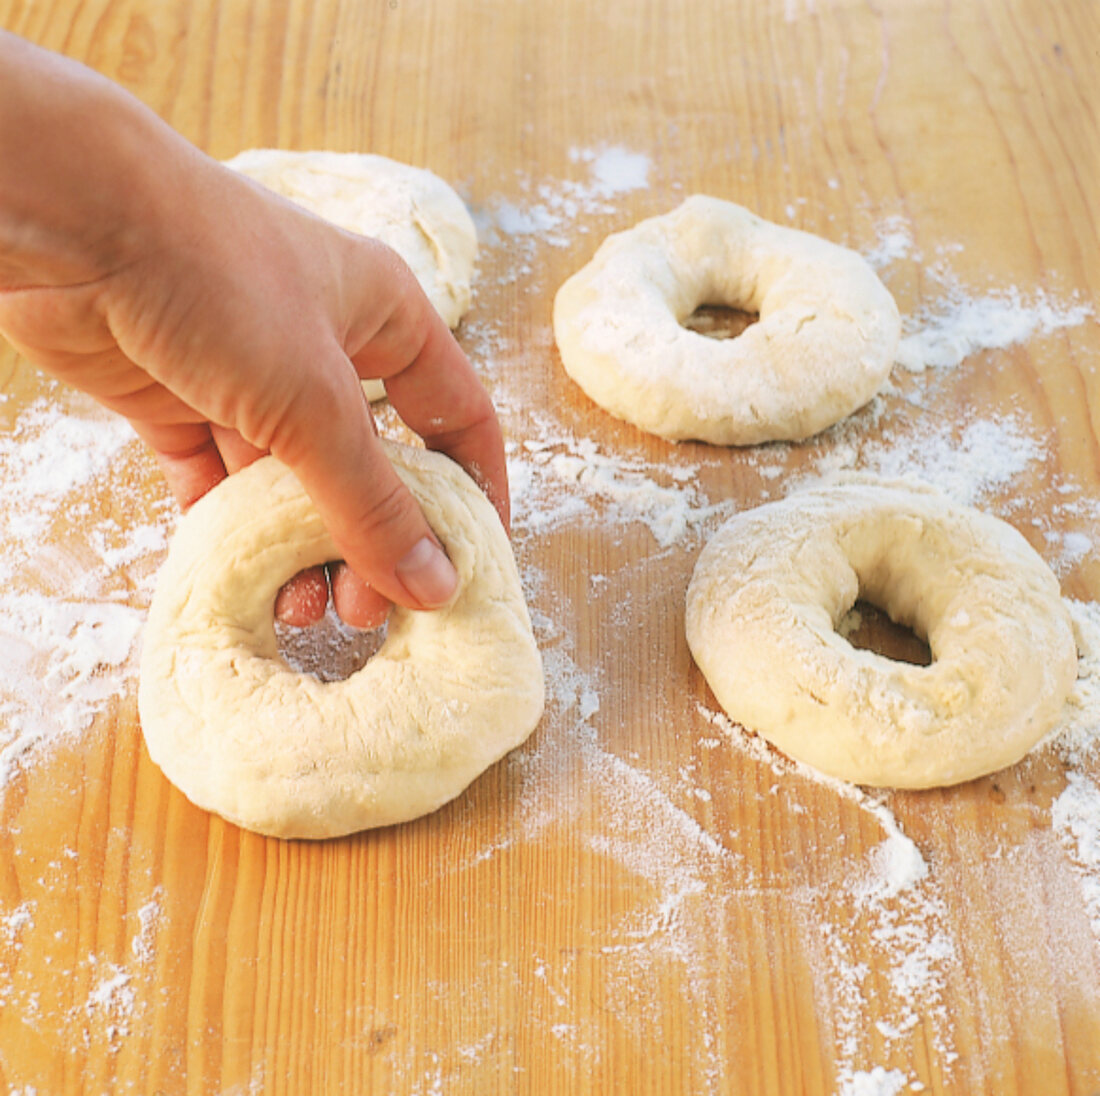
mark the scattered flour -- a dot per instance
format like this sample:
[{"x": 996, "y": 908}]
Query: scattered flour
[
  {"x": 556, "y": 479},
  {"x": 45, "y": 459},
  {"x": 112, "y": 993},
  {"x": 1076, "y": 819},
  {"x": 112, "y": 1001},
  {"x": 1075, "y": 814},
  {"x": 946, "y": 333},
  {"x": 68, "y": 654},
  {"x": 149, "y": 916},
  {"x": 896, "y": 904},
  {"x": 14, "y": 923},
  {"x": 68, "y": 625},
  {"x": 894, "y": 242},
  {"x": 615, "y": 170},
  {"x": 554, "y": 212},
  {"x": 896, "y": 865},
  {"x": 895, "y": 898},
  {"x": 967, "y": 461},
  {"x": 1077, "y": 738},
  {"x": 875, "y": 1082},
  {"x": 565, "y": 777}
]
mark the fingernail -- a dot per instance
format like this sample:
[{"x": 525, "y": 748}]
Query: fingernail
[{"x": 427, "y": 573}]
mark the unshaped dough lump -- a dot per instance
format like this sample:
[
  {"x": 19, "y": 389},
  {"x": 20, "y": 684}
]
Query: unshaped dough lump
[
  {"x": 771, "y": 586},
  {"x": 823, "y": 346},
  {"x": 408, "y": 208},
  {"x": 449, "y": 692}
]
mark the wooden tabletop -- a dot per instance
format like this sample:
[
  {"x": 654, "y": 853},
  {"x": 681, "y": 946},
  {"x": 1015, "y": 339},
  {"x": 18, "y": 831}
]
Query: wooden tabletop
[{"x": 643, "y": 898}]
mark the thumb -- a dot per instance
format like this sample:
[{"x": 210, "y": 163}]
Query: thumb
[{"x": 330, "y": 443}]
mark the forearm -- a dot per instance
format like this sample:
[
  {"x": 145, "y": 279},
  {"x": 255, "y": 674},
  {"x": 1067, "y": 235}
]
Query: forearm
[
  {"x": 76, "y": 162},
  {"x": 222, "y": 320}
]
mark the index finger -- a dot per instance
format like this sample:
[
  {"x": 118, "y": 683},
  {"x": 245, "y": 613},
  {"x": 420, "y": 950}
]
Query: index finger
[{"x": 437, "y": 393}]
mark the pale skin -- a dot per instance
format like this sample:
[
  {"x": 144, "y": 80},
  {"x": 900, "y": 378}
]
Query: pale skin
[{"x": 225, "y": 323}]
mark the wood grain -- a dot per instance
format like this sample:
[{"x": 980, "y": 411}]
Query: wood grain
[{"x": 636, "y": 901}]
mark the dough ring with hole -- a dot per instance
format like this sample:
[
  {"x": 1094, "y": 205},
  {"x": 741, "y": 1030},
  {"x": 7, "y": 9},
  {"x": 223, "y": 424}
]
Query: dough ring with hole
[
  {"x": 279, "y": 752},
  {"x": 770, "y": 587},
  {"x": 823, "y": 345},
  {"x": 409, "y": 208}
]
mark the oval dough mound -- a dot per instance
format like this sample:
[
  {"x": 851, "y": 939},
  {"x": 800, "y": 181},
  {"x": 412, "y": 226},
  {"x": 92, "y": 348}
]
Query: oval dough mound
[
  {"x": 408, "y": 208},
  {"x": 823, "y": 346},
  {"x": 279, "y": 752},
  {"x": 771, "y": 586}
]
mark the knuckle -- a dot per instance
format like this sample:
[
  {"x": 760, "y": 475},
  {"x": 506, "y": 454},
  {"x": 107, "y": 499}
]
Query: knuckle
[{"x": 386, "y": 512}]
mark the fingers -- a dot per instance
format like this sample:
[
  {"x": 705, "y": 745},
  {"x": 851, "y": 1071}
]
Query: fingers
[
  {"x": 303, "y": 600},
  {"x": 357, "y": 604},
  {"x": 440, "y": 397},
  {"x": 294, "y": 390},
  {"x": 236, "y": 453},
  {"x": 188, "y": 458},
  {"x": 327, "y": 437},
  {"x": 372, "y": 516},
  {"x": 429, "y": 380},
  {"x": 194, "y": 459}
]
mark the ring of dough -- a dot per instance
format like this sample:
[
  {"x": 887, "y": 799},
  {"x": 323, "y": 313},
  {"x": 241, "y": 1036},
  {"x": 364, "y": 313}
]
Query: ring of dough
[
  {"x": 771, "y": 586},
  {"x": 408, "y": 208},
  {"x": 448, "y": 693},
  {"x": 823, "y": 346}
]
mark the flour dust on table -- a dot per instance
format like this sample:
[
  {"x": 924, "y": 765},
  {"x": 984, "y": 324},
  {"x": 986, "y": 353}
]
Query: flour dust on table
[
  {"x": 565, "y": 481},
  {"x": 70, "y": 613},
  {"x": 70, "y": 630}
]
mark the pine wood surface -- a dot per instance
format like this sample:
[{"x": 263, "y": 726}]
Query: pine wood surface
[{"x": 633, "y": 903}]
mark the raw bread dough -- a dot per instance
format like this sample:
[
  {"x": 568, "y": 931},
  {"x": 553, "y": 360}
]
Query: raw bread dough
[
  {"x": 449, "y": 692},
  {"x": 770, "y": 588},
  {"x": 409, "y": 208},
  {"x": 823, "y": 345}
]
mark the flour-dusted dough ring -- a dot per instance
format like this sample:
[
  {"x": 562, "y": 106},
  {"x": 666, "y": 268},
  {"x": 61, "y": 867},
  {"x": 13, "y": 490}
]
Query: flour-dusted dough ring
[
  {"x": 823, "y": 345},
  {"x": 409, "y": 208},
  {"x": 772, "y": 584},
  {"x": 449, "y": 692}
]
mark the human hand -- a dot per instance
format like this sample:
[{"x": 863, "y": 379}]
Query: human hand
[{"x": 224, "y": 322}]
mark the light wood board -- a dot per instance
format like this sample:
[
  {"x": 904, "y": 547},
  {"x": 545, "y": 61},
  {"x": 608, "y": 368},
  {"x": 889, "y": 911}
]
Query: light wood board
[{"x": 640, "y": 900}]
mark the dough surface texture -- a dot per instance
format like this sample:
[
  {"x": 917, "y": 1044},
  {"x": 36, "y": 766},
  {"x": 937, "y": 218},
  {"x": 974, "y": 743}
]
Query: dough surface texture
[
  {"x": 280, "y": 752},
  {"x": 822, "y": 347},
  {"x": 771, "y": 586},
  {"x": 408, "y": 208}
]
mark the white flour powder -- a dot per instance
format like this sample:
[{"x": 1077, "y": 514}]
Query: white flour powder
[
  {"x": 957, "y": 326},
  {"x": 69, "y": 623},
  {"x": 554, "y": 212},
  {"x": 1076, "y": 818},
  {"x": 556, "y": 478},
  {"x": 874, "y": 1082},
  {"x": 975, "y": 459}
]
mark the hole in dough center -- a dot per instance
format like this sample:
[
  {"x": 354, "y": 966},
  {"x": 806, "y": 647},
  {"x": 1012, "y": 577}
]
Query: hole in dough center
[
  {"x": 869, "y": 628},
  {"x": 716, "y": 321},
  {"x": 329, "y": 650}
]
